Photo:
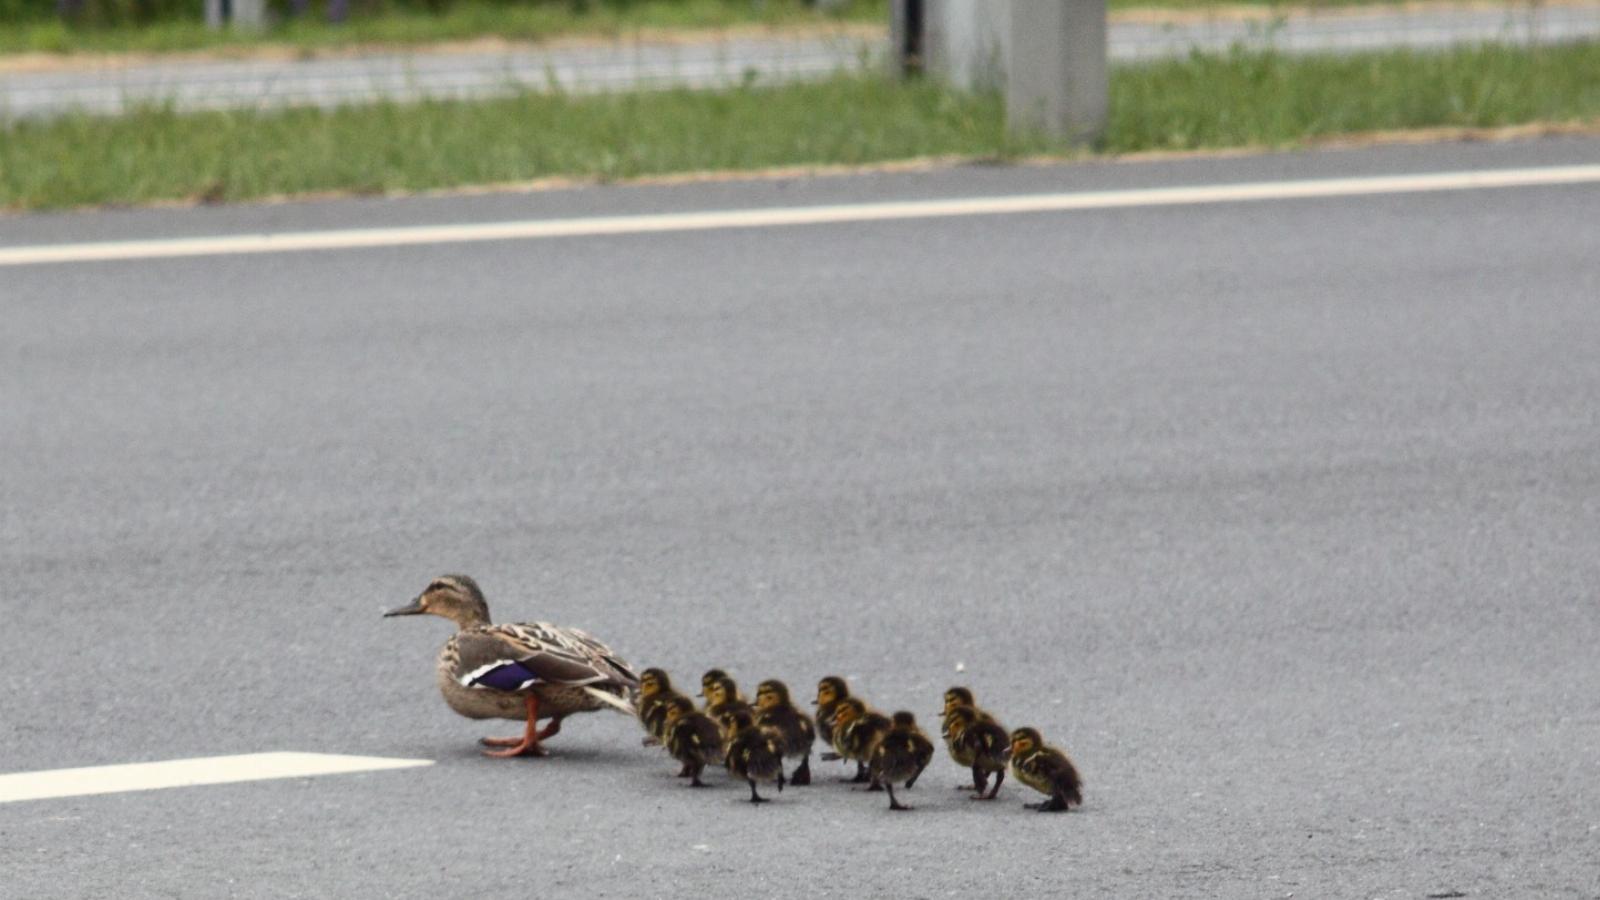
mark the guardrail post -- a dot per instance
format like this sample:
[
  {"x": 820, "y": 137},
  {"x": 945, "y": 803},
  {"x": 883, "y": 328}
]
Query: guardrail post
[
  {"x": 1047, "y": 56},
  {"x": 1057, "y": 81}
]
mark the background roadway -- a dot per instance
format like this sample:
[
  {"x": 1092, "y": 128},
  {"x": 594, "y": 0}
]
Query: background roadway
[{"x": 1280, "y": 517}]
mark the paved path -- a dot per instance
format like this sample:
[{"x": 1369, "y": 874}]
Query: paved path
[
  {"x": 409, "y": 76},
  {"x": 1279, "y": 515}
]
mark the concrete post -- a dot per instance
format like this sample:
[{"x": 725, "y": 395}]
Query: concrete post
[
  {"x": 1057, "y": 80},
  {"x": 249, "y": 14},
  {"x": 1047, "y": 56},
  {"x": 216, "y": 16}
]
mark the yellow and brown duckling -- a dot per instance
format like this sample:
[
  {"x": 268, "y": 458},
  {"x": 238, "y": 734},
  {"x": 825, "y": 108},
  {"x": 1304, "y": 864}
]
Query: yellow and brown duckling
[
  {"x": 776, "y": 711},
  {"x": 655, "y": 692},
  {"x": 856, "y": 733},
  {"x": 692, "y": 738},
  {"x": 1046, "y": 770},
  {"x": 979, "y": 742},
  {"x": 526, "y": 671},
  {"x": 954, "y": 698},
  {"x": 830, "y": 691},
  {"x": 712, "y": 676},
  {"x": 901, "y": 755},
  {"x": 754, "y": 754},
  {"x": 723, "y": 700}
]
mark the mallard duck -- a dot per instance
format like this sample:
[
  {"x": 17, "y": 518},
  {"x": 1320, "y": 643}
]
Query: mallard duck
[
  {"x": 856, "y": 731},
  {"x": 1046, "y": 770},
  {"x": 977, "y": 741},
  {"x": 529, "y": 671},
  {"x": 775, "y": 710},
  {"x": 830, "y": 690},
  {"x": 754, "y": 753},
  {"x": 692, "y": 738},
  {"x": 900, "y": 755},
  {"x": 655, "y": 691}
]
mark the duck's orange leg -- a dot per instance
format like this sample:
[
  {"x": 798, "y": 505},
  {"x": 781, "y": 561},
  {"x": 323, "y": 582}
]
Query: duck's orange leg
[{"x": 528, "y": 744}]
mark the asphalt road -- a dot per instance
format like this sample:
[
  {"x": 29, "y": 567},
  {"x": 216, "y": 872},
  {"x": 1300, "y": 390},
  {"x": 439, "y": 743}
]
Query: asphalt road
[{"x": 1280, "y": 517}]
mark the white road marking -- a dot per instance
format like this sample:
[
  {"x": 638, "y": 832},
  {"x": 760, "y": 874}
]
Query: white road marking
[
  {"x": 188, "y": 772},
  {"x": 771, "y": 217}
]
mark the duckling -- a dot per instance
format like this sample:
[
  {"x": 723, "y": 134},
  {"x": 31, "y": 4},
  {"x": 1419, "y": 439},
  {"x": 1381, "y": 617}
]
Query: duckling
[
  {"x": 830, "y": 690},
  {"x": 754, "y": 753},
  {"x": 655, "y": 691},
  {"x": 712, "y": 676},
  {"x": 977, "y": 741},
  {"x": 953, "y": 698},
  {"x": 692, "y": 738},
  {"x": 775, "y": 710},
  {"x": 1046, "y": 770},
  {"x": 723, "y": 699},
  {"x": 901, "y": 755},
  {"x": 526, "y": 671},
  {"x": 856, "y": 732}
]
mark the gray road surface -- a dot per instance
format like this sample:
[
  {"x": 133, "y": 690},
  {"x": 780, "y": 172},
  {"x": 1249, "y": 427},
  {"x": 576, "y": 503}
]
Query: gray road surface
[
  {"x": 412, "y": 76},
  {"x": 1281, "y": 517}
]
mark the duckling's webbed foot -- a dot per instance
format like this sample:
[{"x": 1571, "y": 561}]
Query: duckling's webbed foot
[
  {"x": 685, "y": 772},
  {"x": 994, "y": 791},
  {"x": 980, "y": 780},
  {"x": 755, "y": 797},
  {"x": 802, "y": 775},
  {"x": 896, "y": 804},
  {"x": 861, "y": 774},
  {"x": 694, "y": 777}
]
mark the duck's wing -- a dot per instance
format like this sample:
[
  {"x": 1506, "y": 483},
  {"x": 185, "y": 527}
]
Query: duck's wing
[
  {"x": 585, "y": 645},
  {"x": 515, "y": 658}
]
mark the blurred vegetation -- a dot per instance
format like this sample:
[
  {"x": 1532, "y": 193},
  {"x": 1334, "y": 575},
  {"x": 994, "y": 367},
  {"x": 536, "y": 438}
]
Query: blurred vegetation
[
  {"x": 64, "y": 26},
  {"x": 68, "y": 26},
  {"x": 1234, "y": 100},
  {"x": 1250, "y": 98}
]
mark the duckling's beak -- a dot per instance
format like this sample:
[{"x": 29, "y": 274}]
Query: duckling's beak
[{"x": 410, "y": 609}]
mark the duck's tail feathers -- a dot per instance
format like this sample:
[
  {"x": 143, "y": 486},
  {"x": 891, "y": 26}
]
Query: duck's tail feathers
[{"x": 620, "y": 704}]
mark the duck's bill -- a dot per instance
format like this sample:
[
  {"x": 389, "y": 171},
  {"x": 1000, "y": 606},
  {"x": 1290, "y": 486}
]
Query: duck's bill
[{"x": 410, "y": 609}]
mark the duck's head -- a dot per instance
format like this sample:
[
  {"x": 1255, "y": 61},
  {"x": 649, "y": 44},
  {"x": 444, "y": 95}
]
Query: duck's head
[
  {"x": 712, "y": 676},
  {"x": 1025, "y": 740},
  {"x": 678, "y": 707},
  {"x": 849, "y": 710},
  {"x": 957, "y": 696},
  {"x": 721, "y": 691},
  {"x": 904, "y": 719},
  {"x": 771, "y": 694},
  {"x": 832, "y": 689},
  {"x": 455, "y": 597},
  {"x": 653, "y": 682},
  {"x": 959, "y": 719}
]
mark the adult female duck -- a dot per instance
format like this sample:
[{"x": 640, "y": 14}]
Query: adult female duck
[{"x": 530, "y": 670}]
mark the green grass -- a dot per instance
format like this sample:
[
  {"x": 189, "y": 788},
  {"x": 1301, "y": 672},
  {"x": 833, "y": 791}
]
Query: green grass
[
  {"x": 1246, "y": 99},
  {"x": 459, "y": 21},
  {"x": 154, "y": 153},
  {"x": 1203, "y": 102}
]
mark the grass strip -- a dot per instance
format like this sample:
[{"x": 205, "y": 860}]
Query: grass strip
[{"x": 1241, "y": 99}]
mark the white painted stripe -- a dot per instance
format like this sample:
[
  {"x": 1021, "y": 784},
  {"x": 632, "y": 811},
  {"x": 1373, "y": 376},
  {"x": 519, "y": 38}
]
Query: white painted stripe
[
  {"x": 188, "y": 772},
  {"x": 796, "y": 215}
]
